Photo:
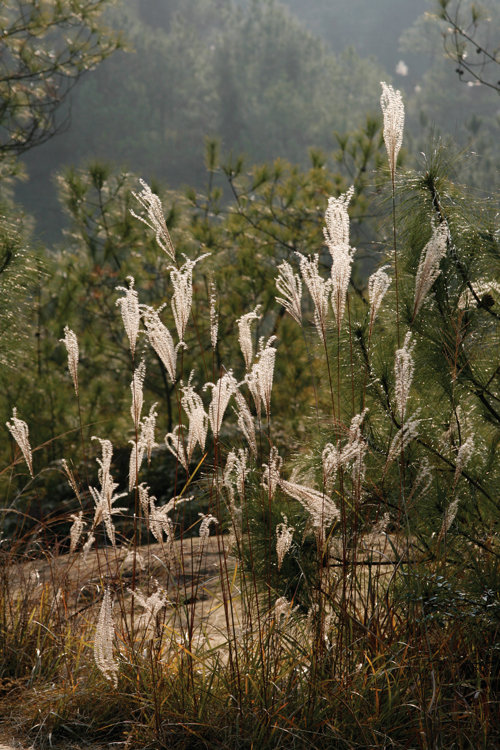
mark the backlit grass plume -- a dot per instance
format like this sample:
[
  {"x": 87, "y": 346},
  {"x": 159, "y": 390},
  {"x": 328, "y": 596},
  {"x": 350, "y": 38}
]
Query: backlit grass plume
[
  {"x": 20, "y": 432},
  {"x": 393, "y": 110}
]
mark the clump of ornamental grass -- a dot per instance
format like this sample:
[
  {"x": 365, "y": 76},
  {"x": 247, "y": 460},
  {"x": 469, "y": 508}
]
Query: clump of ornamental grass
[{"x": 304, "y": 601}]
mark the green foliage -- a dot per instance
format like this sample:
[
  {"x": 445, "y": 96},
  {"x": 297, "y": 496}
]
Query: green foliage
[{"x": 46, "y": 48}]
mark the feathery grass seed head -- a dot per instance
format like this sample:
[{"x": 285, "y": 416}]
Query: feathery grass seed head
[
  {"x": 71, "y": 343},
  {"x": 393, "y": 110},
  {"x": 103, "y": 641},
  {"x": 403, "y": 372},
  {"x": 428, "y": 267},
  {"x": 289, "y": 284},
  {"x": 129, "y": 307},
  {"x": 155, "y": 218},
  {"x": 20, "y": 432}
]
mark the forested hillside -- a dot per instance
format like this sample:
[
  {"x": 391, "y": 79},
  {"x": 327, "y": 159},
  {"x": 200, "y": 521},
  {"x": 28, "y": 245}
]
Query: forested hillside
[{"x": 268, "y": 79}]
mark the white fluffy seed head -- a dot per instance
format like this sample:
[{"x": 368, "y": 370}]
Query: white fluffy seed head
[
  {"x": 129, "y": 307},
  {"x": 449, "y": 516},
  {"x": 221, "y": 393},
  {"x": 404, "y": 367},
  {"x": 136, "y": 387},
  {"x": 71, "y": 343},
  {"x": 284, "y": 537},
  {"x": 155, "y": 218},
  {"x": 322, "y": 510},
  {"x": 75, "y": 531},
  {"x": 135, "y": 462},
  {"x": 20, "y": 432},
  {"x": 289, "y": 284},
  {"x": 403, "y": 438},
  {"x": 245, "y": 334},
  {"x": 340, "y": 277},
  {"x": 428, "y": 267},
  {"x": 271, "y": 472},
  {"x": 378, "y": 284},
  {"x": 103, "y": 641},
  {"x": 393, "y": 110},
  {"x": 206, "y": 520},
  {"x": 198, "y": 419},
  {"x": 318, "y": 288},
  {"x": 336, "y": 229},
  {"x": 182, "y": 298},
  {"x": 214, "y": 316},
  {"x": 175, "y": 444},
  {"x": 463, "y": 457},
  {"x": 245, "y": 421},
  {"x": 161, "y": 340},
  {"x": 147, "y": 435}
]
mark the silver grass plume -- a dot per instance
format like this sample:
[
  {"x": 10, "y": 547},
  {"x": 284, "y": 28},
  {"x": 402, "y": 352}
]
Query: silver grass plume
[
  {"x": 354, "y": 451},
  {"x": 129, "y": 558},
  {"x": 341, "y": 275},
  {"x": 449, "y": 516},
  {"x": 144, "y": 444},
  {"x": 175, "y": 444},
  {"x": 135, "y": 462},
  {"x": 271, "y": 472},
  {"x": 331, "y": 460},
  {"x": 105, "y": 497},
  {"x": 182, "y": 298},
  {"x": 103, "y": 641},
  {"x": 152, "y": 606},
  {"x": 214, "y": 316},
  {"x": 322, "y": 510},
  {"x": 245, "y": 334},
  {"x": 129, "y": 307},
  {"x": 260, "y": 377},
  {"x": 161, "y": 340},
  {"x": 71, "y": 343},
  {"x": 378, "y": 284},
  {"x": 336, "y": 229},
  {"x": 404, "y": 367},
  {"x": 336, "y": 234},
  {"x": 393, "y": 110},
  {"x": 234, "y": 476},
  {"x": 221, "y": 393},
  {"x": 422, "y": 481},
  {"x": 403, "y": 438},
  {"x": 87, "y": 546},
  {"x": 245, "y": 421},
  {"x": 20, "y": 432},
  {"x": 160, "y": 523},
  {"x": 75, "y": 531},
  {"x": 284, "y": 537},
  {"x": 71, "y": 477},
  {"x": 156, "y": 220},
  {"x": 428, "y": 267},
  {"x": 289, "y": 284},
  {"x": 463, "y": 457},
  {"x": 148, "y": 425},
  {"x": 352, "y": 454},
  {"x": 136, "y": 387},
  {"x": 236, "y": 464},
  {"x": 192, "y": 404},
  {"x": 144, "y": 498},
  {"x": 319, "y": 289},
  {"x": 206, "y": 520}
]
